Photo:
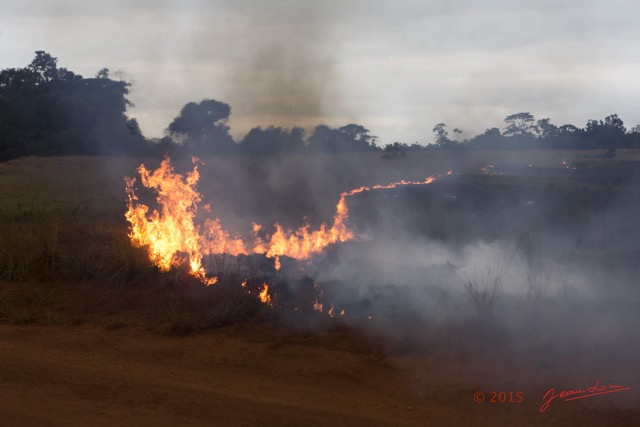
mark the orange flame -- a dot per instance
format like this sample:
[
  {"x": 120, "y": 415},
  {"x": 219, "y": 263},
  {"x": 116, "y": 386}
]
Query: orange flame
[
  {"x": 169, "y": 234},
  {"x": 173, "y": 238},
  {"x": 264, "y": 294}
]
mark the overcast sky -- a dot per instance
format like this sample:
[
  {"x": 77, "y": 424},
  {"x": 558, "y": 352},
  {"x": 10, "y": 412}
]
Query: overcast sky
[{"x": 397, "y": 67}]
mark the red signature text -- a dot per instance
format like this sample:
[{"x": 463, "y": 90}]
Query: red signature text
[{"x": 567, "y": 395}]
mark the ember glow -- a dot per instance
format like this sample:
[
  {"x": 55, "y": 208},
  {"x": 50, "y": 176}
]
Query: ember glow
[{"x": 173, "y": 238}]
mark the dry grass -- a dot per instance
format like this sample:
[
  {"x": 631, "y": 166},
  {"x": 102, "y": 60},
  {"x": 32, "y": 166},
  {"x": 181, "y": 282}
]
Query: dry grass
[
  {"x": 69, "y": 265},
  {"x": 52, "y": 246},
  {"x": 484, "y": 283}
]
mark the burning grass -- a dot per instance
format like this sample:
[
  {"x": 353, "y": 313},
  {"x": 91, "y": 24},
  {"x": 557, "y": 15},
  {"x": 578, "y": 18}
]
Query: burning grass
[
  {"x": 63, "y": 265},
  {"x": 172, "y": 236},
  {"x": 63, "y": 238}
]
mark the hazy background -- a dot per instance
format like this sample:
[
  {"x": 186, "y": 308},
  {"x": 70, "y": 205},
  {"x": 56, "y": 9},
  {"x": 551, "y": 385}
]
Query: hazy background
[{"x": 396, "y": 68}]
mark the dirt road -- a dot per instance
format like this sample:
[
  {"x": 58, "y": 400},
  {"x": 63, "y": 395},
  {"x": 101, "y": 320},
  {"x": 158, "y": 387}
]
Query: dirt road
[{"x": 85, "y": 375}]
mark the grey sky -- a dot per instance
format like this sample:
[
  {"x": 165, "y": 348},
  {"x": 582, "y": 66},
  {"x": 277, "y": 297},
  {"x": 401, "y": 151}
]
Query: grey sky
[{"x": 397, "y": 67}]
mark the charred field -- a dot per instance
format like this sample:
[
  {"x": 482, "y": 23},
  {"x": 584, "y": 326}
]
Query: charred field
[{"x": 517, "y": 272}]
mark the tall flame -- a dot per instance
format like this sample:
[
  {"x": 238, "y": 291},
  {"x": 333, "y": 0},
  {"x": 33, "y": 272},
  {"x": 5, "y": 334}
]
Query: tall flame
[
  {"x": 173, "y": 238},
  {"x": 169, "y": 234}
]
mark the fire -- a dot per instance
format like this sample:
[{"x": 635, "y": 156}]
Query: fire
[
  {"x": 169, "y": 234},
  {"x": 302, "y": 243},
  {"x": 362, "y": 189},
  {"x": 264, "y": 294},
  {"x": 332, "y": 311},
  {"x": 172, "y": 237}
]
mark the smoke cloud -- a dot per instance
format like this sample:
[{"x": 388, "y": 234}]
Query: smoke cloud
[{"x": 287, "y": 74}]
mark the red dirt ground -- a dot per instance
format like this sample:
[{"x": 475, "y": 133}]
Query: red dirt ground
[{"x": 85, "y": 375}]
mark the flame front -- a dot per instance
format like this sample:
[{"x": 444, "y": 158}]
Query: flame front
[{"x": 173, "y": 238}]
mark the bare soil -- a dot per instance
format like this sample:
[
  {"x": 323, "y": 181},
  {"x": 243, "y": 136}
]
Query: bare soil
[{"x": 86, "y": 375}]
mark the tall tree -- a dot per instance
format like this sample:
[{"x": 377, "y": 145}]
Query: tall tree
[
  {"x": 442, "y": 135},
  {"x": 520, "y": 125},
  {"x": 202, "y": 127},
  {"x": 44, "y": 66},
  {"x": 546, "y": 128}
]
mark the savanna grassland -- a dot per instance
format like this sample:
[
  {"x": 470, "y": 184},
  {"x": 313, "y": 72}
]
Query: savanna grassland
[{"x": 92, "y": 334}]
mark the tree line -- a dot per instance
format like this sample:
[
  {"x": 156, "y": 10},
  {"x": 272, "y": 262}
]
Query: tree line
[
  {"x": 201, "y": 128},
  {"x": 523, "y": 131},
  {"x": 49, "y": 110}
]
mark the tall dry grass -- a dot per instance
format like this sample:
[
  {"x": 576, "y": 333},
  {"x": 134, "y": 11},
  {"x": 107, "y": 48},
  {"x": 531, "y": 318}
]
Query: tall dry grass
[{"x": 41, "y": 244}]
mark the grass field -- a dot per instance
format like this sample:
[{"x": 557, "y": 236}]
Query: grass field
[
  {"x": 93, "y": 333},
  {"x": 62, "y": 218}
]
